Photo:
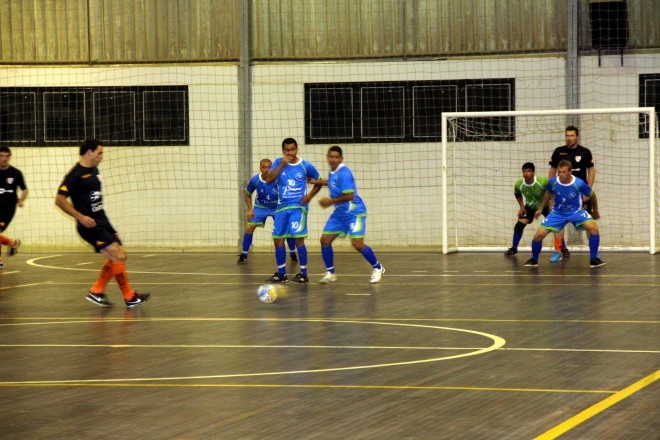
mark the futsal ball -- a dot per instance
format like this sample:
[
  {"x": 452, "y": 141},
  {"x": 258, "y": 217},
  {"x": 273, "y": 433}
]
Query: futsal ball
[{"x": 267, "y": 293}]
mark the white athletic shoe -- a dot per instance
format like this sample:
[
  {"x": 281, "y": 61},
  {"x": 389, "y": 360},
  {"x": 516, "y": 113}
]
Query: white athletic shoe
[
  {"x": 328, "y": 278},
  {"x": 377, "y": 274}
]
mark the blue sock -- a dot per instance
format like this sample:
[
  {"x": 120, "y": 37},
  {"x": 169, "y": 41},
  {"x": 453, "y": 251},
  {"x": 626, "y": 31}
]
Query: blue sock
[
  {"x": 594, "y": 243},
  {"x": 516, "y": 240},
  {"x": 563, "y": 244},
  {"x": 536, "y": 249},
  {"x": 369, "y": 255},
  {"x": 328, "y": 255},
  {"x": 302, "y": 258},
  {"x": 291, "y": 243},
  {"x": 247, "y": 242},
  {"x": 280, "y": 259}
]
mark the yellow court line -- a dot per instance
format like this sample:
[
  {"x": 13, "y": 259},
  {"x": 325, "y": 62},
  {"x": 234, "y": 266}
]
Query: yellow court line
[
  {"x": 92, "y": 384},
  {"x": 338, "y": 319},
  {"x": 598, "y": 407},
  {"x": 16, "y": 286}
]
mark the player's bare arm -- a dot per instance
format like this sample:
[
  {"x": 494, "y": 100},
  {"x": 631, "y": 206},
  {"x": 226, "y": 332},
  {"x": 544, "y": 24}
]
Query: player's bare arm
[
  {"x": 271, "y": 176},
  {"x": 310, "y": 195},
  {"x": 21, "y": 200},
  {"x": 327, "y": 201},
  {"x": 248, "y": 203},
  {"x": 521, "y": 208},
  {"x": 546, "y": 198},
  {"x": 319, "y": 181},
  {"x": 594, "y": 206},
  {"x": 62, "y": 203},
  {"x": 591, "y": 176}
]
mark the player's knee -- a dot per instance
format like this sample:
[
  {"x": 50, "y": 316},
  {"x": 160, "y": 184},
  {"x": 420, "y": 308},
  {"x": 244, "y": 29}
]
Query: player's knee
[
  {"x": 519, "y": 227},
  {"x": 540, "y": 234},
  {"x": 358, "y": 245},
  {"x": 115, "y": 253},
  {"x": 591, "y": 228}
]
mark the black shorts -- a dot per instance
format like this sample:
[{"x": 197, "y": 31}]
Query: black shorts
[
  {"x": 99, "y": 236},
  {"x": 6, "y": 216},
  {"x": 529, "y": 213}
]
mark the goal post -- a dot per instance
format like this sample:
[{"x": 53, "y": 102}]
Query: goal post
[{"x": 482, "y": 156}]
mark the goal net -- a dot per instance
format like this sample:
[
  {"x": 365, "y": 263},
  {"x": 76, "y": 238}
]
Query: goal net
[{"x": 482, "y": 156}]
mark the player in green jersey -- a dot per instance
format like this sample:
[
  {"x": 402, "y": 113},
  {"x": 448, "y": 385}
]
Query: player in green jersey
[{"x": 529, "y": 191}]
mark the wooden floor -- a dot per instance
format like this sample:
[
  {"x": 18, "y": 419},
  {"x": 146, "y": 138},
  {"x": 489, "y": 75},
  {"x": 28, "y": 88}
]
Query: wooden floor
[{"x": 462, "y": 346}]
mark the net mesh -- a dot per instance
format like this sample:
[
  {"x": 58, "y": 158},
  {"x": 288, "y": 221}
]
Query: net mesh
[
  {"x": 484, "y": 159},
  {"x": 399, "y": 65}
]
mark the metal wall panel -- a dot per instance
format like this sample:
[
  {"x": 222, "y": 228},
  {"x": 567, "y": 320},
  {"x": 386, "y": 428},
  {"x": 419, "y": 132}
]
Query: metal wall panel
[
  {"x": 293, "y": 29},
  {"x": 120, "y": 31},
  {"x": 452, "y": 27},
  {"x": 137, "y": 31},
  {"x": 318, "y": 29},
  {"x": 46, "y": 31},
  {"x": 165, "y": 30}
]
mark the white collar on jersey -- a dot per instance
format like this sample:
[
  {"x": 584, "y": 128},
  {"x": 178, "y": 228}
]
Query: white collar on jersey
[
  {"x": 566, "y": 184},
  {"x": 339, "y": 167},
  {"x": 530, "y": 184}
]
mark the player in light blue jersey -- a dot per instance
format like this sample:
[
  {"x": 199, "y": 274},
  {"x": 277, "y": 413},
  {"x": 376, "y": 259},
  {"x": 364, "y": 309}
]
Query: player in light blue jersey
[
  {"x": 265, "y": 203},
  {"x": 569, "y": 194},
  {"x": 291, "y": 174},
  {"x": 349, "y": 217}
]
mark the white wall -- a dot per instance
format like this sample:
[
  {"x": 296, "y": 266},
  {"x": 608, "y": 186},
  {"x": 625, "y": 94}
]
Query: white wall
[{"x": 186, "y": 197}]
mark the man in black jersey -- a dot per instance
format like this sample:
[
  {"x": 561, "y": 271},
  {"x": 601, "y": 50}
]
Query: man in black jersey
[
  {"x": 82, "y": 185},
  {"x": 584, "y": 168},
  {"x": 11, "y": 180}
]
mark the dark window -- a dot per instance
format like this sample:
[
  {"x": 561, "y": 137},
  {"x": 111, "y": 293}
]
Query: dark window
[
  {"x": 382, "y": 113},
  {"x": 331, "y": 111},
  {"x": 126, "y": 116},
  {"x": 428, "y": 104},
  {"x": 162, "y": 121},
  {"x": 115, "y": 116},
  {"x": 64, "y": 117},
  {"x": 488, "y": 97},
  {"x": 18, "y": 121},
  {"x": 649, "y": 96},
  {"x": 403, "y": 111}
]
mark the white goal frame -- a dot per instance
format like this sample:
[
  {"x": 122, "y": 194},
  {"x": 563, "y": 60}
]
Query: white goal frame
[{"x": 448, "y": 247}]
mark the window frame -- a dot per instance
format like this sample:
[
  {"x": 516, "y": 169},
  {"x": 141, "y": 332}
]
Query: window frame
[
  {"x": 648, "y": 100},
  {"x": 80, "y": 117},
  {"x": 353, "y": 118}
]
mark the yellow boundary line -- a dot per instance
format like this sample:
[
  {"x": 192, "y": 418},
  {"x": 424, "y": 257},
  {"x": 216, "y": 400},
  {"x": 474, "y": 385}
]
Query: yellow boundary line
[{"x": 598, "y": 407}]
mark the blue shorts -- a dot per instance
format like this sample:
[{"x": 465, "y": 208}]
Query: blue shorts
[
  {"x": 556, "y": 222},
  {"x": 353, "y": 226},
  {"x": 260, "y": 216},
  {"x": 290, "y": 222}
]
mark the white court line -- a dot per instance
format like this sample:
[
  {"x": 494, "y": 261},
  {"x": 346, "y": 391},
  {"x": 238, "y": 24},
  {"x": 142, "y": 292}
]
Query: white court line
[{"x": 497, "y": 342}]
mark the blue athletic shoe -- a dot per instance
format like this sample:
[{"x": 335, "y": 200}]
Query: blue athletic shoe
[{"x": 556, "y": 256}]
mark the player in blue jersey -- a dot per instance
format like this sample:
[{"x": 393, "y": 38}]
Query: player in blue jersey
[
  {"x": 569, "y": 194},
  {"x": 291, "y": 174},
  {"x": 265, "y": 203},
  {"x": 348, "y": 218},
  {"x": 583, "y": 167}
]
